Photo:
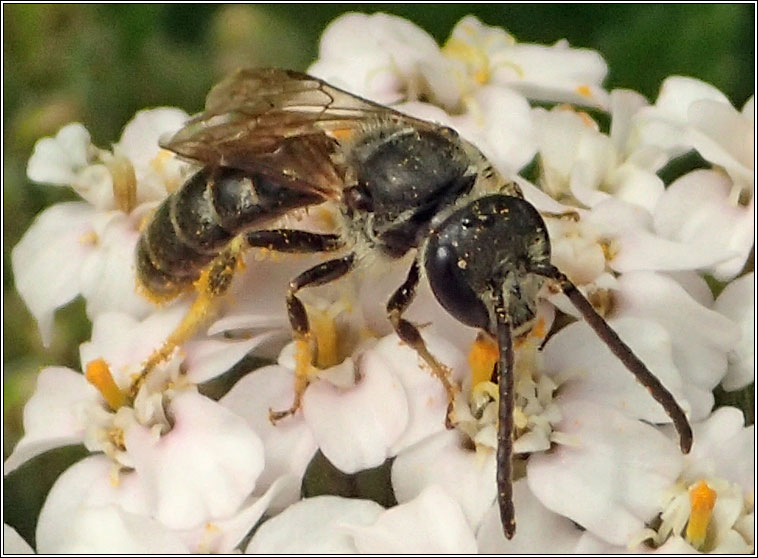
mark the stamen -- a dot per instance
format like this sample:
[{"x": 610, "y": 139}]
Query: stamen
[
  {"x": 584, "y": 90},
  {"x": 476, "y": 60},
  {"x": 99, "y": 375},
  {"x": 324, "y": 328},
  {"x": 88, "y": 239},
  {"x": 124, "y": 182},
  {"x": 481, "y": 359},
  {"x": 702, "y": 500}
]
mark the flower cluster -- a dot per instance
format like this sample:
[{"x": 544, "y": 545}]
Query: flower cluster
[{"x": 597, "y": 467}]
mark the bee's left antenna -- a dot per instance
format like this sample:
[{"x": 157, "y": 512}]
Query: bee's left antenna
[{"x": 623, "y": 353}]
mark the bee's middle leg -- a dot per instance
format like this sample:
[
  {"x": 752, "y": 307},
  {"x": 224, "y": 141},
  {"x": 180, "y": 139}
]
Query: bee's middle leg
[
  {"x": 409, "y": 333},
  {"x": 294, "y": 241}
]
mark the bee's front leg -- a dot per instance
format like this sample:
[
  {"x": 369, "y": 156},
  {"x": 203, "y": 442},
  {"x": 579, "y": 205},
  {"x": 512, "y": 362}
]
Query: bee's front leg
[{"x": 410, "y": 334}]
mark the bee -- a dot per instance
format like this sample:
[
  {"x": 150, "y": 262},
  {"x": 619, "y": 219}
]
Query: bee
[{"x": 271, "y": 141}]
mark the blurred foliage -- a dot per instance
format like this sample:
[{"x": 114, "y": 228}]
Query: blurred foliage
[
  {"x": 99, "y": 64},
  {"x": 321, "y": 477},
  {"x": 26, "y": 488}
]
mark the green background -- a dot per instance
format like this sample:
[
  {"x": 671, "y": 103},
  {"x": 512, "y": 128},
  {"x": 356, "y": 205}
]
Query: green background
[{"x": 100, "y": 64}]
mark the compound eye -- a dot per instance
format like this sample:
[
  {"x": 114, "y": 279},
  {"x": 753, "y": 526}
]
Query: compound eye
[{"x": 452, "y": 289}]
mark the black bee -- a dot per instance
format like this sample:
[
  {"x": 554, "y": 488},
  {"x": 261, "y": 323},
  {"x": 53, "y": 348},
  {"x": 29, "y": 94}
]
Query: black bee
[{"x": 271, "y": 141}]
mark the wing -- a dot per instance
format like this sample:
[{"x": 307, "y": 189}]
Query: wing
[{"x": 279, "y": 122}]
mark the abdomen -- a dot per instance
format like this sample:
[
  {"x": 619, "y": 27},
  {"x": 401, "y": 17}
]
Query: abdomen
[{"x": 197, "y": 221}]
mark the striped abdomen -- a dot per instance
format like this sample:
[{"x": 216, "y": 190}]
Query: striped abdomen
[{"x": 197, "y": 221}]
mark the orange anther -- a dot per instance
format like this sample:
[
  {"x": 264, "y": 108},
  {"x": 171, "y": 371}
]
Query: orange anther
[{"x": 98, "y": 373}]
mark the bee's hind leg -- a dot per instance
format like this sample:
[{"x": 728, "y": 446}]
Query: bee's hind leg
[
  {"x": 410, "y": 334},
  {"x": 213, "y": 283}
]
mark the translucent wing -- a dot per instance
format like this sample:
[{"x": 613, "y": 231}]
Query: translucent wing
[{"x": 279, "y": 122}]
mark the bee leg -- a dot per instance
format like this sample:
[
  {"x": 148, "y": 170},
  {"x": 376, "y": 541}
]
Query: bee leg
[
  {"x": 294, "y": 241},
  {"x": 214, "y": 281},
  {"x": 504, "y": 369},
  {"x": 410, "y": 335},
  {"x": 318, "y": 275}
]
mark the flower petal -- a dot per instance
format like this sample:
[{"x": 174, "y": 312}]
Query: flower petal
[
  {"x": 499, "y": 123},
  {"x": 355, "y": 427},
  {"x": 204, "y": 468},
  {"x": 13, "y": 543},
  {"x": 737, "y": 303},
  {"x": 47, "y": 261},
  {"x": 724, "y": 137},
  {"x": 431, "y": 523},
  {"x": 723, "y": 448},
  {"x": 109, "y": 280},
  {"x": 701, "y": 338},
  {"x": 553, "y": 73},
  {"x": 315, "y": 525},
  {"x": 610, "y": 481},
  {"x": 595, "y": 374},
  {"x": 223, "y": 537},
  {"x": 465, "y": 474},
  {"x": 533, "y": 520},
  {"x": 86, "y": 485},
  {"x": 207, "y": 358},
  {"x": 52, "y": 416},
  {"x": 289, "y": 445},
  {"x": 139, "y": 140},
  {"x": 57, "y": 160},
  {"x": 697, "y": 210}
]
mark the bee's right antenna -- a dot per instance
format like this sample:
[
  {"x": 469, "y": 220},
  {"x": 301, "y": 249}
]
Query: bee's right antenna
[{"x": 623, "y": 353}]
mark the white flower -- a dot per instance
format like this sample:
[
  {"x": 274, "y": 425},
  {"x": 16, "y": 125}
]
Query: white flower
[
  {"x": 375, "y": 56},
  {"x": 736, "y": 302},
  {"x": 690, "y": 113},
  {"x": 578, "y": 161},
  {"x": 608, "y": 475},
  {"x": 431, "y": 523},
  {"x": 388, "y": 59},
  {"x": 87, "y": 512},
  {"x": 13, "y": 543},
  {"x": 700, "y": 337},
  {"x": 558, "y": 73},
  {"x": 698, "y": 210},
  {"x": 191, "y": 459},
  {"x": 315, "y": 525},
  {"x": 539, "y": 531},
  {"x": 88, "y": 248},
  {"x": 713, "y": 496}
]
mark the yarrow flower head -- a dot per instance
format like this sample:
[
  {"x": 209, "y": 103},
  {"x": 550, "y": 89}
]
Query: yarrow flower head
[
  {"x": 85, "y": 248},
  {"x": 204, "y": 418}
]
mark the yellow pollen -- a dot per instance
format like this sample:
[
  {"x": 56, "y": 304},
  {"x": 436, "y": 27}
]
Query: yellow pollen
[
  {"x": 481, "y": 76},
  {"x": 114, "y": 476},
  {"x": 587, "y": 120},
  {"x": 609, "y": 248},
  {"x": 88, "y": 238},
  {"x": 324, "y": 328},
  {"x": 124, "y": 182},
  {"x": 99, "y": 375},
  {"x": 476, "y": 60},
  {"x": 490, "y": 388},
  {"x": 116, "y": 437},
  {"x": 159, "y": 161},
  {"x": 481, "y": 359},
  {"x": 702, "y": 500},
  {"x": 584, "y": 90}
]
